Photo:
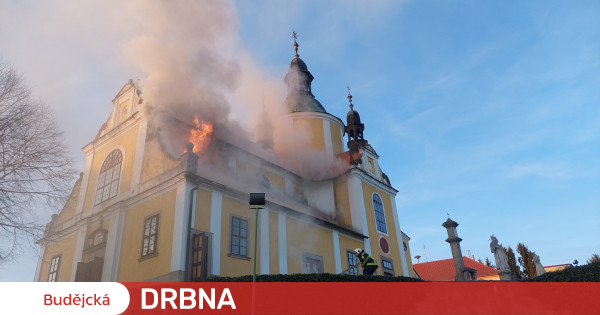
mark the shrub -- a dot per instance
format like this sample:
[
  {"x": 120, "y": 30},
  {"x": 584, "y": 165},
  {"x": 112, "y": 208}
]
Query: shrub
[
  {"x": 585, "y": 273},
  {"x": 315, "y": 277}
]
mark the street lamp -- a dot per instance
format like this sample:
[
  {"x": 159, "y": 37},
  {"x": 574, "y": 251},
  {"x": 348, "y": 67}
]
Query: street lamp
[{"x": 257, "y": 201}]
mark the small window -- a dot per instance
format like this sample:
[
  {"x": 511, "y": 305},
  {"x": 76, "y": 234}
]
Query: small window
[
  {"x": 387, "y": 267},
  {"x": 312, "y": 263},
  {"x": 352, "y": 261},
  {"x": 149, "y": 241},
  {"x": 379, "y": 214},
  {"x": 109, "y": 176},
  {"x": 54, "y": 265},
  {"x": 239, "y": 237}
]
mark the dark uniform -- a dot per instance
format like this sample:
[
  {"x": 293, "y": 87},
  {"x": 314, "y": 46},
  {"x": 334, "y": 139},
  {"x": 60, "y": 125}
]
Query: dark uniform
[{"x": 368, "y": 263}]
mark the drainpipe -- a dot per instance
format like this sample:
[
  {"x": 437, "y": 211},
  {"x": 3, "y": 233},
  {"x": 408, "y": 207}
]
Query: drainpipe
[
  {"x": 188, "y": 263},
  {"x": 191, "y": 167}
]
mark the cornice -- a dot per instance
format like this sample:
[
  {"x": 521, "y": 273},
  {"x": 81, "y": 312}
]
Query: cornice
[
  {"x": 121, "y": 128},
  {"x": 372, "y": 180}
]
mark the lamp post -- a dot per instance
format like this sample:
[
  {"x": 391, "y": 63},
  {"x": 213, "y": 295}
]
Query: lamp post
[{"x": 257, "y": 201}]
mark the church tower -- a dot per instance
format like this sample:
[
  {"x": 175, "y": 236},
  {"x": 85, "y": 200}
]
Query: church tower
[{"x": 325, "y": 131}]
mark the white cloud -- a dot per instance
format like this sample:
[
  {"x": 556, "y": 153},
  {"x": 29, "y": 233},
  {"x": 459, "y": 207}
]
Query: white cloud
[{"x": 543, "y": 170}]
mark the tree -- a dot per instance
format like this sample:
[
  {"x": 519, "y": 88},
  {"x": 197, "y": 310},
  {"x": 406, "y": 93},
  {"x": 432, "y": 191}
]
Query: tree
[
  {"x": 489, "y": 263},
  {"x": 594, "y": 259},
  {"x": 512, "y": 263},
  {"x": 526, "y": 261},
  {"x": 35, "y": 170}
]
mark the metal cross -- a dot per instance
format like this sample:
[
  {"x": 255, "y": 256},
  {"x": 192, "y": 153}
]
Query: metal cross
[{"x": 294, "y": 35}]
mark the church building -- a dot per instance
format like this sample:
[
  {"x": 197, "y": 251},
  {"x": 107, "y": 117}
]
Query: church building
[{"x": 137, "y": 213}]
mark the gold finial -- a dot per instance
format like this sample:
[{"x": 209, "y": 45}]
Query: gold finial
[
  {"x": 295, "y": 36},
  {"x": 350, "y": 98}
]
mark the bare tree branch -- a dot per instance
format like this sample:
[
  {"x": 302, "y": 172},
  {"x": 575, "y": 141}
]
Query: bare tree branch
[{"x": 35, "y": 168}]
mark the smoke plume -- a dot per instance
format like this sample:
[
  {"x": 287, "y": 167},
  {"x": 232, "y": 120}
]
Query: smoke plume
[{"x": 195, "y": 67}]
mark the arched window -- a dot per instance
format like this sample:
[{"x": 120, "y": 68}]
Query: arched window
[
  {"x": 109, "y": 176},
  {"x": 265, "y": 182},
  {"x": 379, "y": 215}
]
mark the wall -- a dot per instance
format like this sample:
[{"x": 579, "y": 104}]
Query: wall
[
  {"x": 131, "y": 267},
  {"x": 65, "y": 247},
  {"x": 127, "y": 141},
  {"x": 230, "y": 265},
  {"x": 390, "y": 236},
  {"x": 304, "y": 237}
]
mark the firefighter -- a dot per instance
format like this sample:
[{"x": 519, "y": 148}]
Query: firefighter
[{"x": 368, "y": 263}]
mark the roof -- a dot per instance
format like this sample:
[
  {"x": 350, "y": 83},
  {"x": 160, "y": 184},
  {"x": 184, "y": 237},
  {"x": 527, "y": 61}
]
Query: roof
[
  {"x": 561, "y": 265},
  {"x": 443, "y": 270}
]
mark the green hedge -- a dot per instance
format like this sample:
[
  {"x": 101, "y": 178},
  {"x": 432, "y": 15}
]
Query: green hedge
[
  {"x": 315, "y": 277},
  {"x": 585, "y": 273}
]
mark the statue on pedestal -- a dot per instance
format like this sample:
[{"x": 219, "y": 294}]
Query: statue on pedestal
[
  {"x": 501, "y": 259},
  {"x": 539, "y": 269}
]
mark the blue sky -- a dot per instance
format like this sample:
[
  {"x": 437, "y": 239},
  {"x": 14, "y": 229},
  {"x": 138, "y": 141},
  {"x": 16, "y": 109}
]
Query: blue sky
[{"x": 488, "y": 111}]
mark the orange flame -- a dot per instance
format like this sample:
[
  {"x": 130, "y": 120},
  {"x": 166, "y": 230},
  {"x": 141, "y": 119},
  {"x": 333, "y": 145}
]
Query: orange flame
[{"x": 200, "y": 135}]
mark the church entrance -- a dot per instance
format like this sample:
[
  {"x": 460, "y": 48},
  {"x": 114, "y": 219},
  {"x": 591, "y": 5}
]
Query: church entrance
[
  {"x": 90, "y": 271},
  {"x": 92, "y": 259}
]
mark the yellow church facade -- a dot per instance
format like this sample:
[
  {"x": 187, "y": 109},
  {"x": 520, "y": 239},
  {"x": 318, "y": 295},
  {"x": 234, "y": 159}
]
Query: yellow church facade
[{"x": 138, "y": 214}]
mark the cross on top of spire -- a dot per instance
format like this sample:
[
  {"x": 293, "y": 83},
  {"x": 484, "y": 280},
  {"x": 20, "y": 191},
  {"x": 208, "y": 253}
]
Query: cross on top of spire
[
  {"x": 350, "y": 98},
  {"x": 295, "y": 36}
]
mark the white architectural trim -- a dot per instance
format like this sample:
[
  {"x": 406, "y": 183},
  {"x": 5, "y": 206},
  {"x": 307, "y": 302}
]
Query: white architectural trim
[
  {"x": 289, "y": 185},
  {"x": 85, "y": 181},
  {"x": 215, "y": 228},
  {"x": 336, "y": 252},
  {"x": 180, "y": 226},
  {"x": 370, "y": 179},
  {"x": 357, "y": 209},
  {"x": 78, "y": 251},
  {"x": 114, "y": 240},
  {"x": 264, "y": 241},
  {"x": 399, "y": 237},
  {"x": 282, "y": 242},
  {"x": 136, "y": 177},
  {"x": 38, "y": 268},
  {"x": 327, "y": 138}
]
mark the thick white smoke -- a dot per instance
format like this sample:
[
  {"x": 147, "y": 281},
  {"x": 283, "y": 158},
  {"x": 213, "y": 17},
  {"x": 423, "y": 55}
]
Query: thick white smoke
[{"x": 196, "y": 67}]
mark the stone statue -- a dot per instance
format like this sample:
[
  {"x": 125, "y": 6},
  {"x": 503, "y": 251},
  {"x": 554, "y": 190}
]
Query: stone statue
[
  {"x": 499, "y": 255},
  {"x": 539, "y": 269}
]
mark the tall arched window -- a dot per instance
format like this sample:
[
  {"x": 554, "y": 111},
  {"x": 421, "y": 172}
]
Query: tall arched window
[
  {"x": 109, "y": 176},
  {"x": 265, "y": 182},
  {"x": 379, "y": 215}
]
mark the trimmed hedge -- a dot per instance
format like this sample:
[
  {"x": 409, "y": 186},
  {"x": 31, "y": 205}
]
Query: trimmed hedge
[
  {"x": 585, "y": 273},
  {"x": 315, "y": 277}
]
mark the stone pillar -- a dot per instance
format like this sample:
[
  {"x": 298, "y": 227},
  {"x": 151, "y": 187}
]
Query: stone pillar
[{"x": 454, "y": 241}]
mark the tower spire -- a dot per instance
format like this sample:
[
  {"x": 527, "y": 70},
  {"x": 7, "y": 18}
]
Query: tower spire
[
  {"x": 295, "y": 36},
  {"x": 350, "y": 98}
]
